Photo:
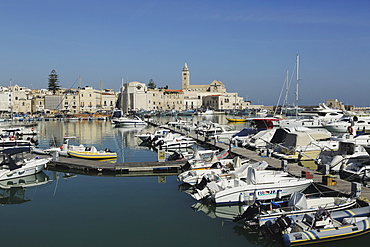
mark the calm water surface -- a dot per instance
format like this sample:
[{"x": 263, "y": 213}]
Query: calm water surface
[{"x": 82, "y": 210}]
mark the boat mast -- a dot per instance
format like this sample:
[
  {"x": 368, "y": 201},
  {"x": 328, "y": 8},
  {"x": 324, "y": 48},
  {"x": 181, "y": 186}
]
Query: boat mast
[{"x": 296, "y": 93}]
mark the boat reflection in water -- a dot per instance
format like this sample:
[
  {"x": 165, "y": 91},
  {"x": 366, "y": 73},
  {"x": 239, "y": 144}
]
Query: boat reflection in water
[
  {"x": 12, "y": 191},
  {"x": 227, "y": 214},
  {"x": 223, "y": 212}
]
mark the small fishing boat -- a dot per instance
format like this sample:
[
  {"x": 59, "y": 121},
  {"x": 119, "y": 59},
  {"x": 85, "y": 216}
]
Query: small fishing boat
[{"x": 93, "y": 153}]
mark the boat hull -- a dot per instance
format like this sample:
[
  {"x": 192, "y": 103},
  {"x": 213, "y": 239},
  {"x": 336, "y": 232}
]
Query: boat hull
[
  {"x": 259, "y": 191},
  {"x": 327, "y": 235},
  {"x": 32, "y": 167},
  {"x": 89, "y": 155}
]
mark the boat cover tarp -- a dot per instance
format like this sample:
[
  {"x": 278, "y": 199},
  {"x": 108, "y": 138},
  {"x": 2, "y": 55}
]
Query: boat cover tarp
[
  {"x": 245, "y": 132},
  {"x": 298, "y": 200},
  {"x": 279, "y": 135}
]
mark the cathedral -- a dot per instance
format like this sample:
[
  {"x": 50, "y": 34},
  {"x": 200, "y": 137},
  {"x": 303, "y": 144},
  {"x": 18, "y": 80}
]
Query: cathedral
[{"x": 214, "y": 87}]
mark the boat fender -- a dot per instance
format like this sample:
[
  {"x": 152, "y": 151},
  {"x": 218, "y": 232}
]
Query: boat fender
[{"x": 61, "y": 147}]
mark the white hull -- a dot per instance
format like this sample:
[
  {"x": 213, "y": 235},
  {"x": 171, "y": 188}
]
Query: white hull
[
  {"x": 260, "y": 191},
  {"x": 31, "y": 167}
]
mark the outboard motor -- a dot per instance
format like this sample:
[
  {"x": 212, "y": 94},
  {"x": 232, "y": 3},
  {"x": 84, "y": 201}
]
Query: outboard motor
[
  {"x": 185, "y": 167},
  {"x": 216, "y": 165},
  {"x": 202, "y": 184},
  {"x": 248, "y": 215},
  {"x": 280, "y": 225},
  {"x": 153, "y": 140},
  {"x": 175, "y": 156}
]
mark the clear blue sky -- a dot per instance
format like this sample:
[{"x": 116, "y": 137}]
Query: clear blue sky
[{"x": 248, "y": 45}]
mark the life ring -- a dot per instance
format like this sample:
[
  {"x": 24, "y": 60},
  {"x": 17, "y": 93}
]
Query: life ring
[
  {"x": 350, "y": 130},
  {"x": 32, "y": 129},
  {"x": 12, "y": 138}
]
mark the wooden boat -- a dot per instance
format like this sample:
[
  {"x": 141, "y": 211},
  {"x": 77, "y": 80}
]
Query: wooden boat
[{"x": 93, "y": 153}]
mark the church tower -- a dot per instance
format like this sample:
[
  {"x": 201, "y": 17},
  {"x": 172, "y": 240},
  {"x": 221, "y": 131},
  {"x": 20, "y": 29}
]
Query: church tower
[{"x": 185, "y": 77}]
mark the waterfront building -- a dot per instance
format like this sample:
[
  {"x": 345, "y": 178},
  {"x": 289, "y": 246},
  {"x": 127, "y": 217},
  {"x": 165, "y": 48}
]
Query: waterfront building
[
  {"x": 20, "y": 99},
  {"x": 5, "y": 100},
  {"x": 136, "y": 96}
]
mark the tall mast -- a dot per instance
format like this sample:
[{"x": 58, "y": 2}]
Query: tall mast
[
  {"x": 297, "y": 62},
  {"x": 101, "y": 95}
]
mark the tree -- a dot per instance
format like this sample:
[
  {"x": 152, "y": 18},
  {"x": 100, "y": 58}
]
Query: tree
[
  {"x": 151, "y": 84},
  {"x": 53, "y": 82}
]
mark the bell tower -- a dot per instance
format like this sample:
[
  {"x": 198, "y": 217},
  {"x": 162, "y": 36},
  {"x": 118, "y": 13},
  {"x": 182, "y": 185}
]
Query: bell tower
[{"x": 185, "y": 77}]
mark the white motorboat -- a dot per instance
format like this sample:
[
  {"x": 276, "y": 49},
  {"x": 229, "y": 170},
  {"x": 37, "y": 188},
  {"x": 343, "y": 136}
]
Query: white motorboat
[
  {"x": 198, "y": 163},
  {"x": 357, "y": 170},
  {"x": 350, "y": 149},
  {"x": 178, "y": 143},
  {"x": 173, "y": 141},
  {"x": 259, "y": 140},
  {"x": 210, "y": 129},
  {"x": 198, "y": 155},
  {"x": 13, "y": 165},
  {"x": 349, "y": 124},
  {"x": 215, "y": 172},
  {"x": 147, "y": 137},
  {"x": 259, "y": 213},
  {"x": 128, "y": 121},
  {"x": 256, "y": 186},
  {"x": 305, "y": 144},
  {"x": 12, "y": 138},
  {"x": 324, "y": 113}
]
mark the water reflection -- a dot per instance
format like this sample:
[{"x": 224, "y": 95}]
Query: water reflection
[
  {"x": 214, "y": 211},
  {"x": 13, "y": 191}
]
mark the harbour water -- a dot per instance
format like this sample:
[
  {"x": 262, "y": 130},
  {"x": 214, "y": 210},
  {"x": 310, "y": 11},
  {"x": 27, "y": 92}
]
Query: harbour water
[{"x": 82, "y": 210}]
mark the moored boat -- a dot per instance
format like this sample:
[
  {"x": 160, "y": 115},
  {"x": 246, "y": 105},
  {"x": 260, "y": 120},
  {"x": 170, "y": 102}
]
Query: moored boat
[
  {"x": 13, "y": 165},
  {"x": 93, "y": 153},
  {"x": 321, "y": 226}
]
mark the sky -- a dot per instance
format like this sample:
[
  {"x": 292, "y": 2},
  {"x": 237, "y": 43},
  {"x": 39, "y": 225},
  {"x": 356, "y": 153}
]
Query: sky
[{"x": 248, "y": 45}]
